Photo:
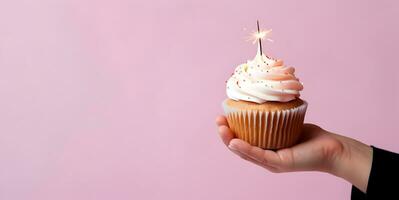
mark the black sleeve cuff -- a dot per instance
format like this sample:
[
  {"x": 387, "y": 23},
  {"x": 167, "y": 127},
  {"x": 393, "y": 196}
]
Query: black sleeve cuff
[
  {"x": 383, "y": 177},
  {"x": 357, "y": 194}
]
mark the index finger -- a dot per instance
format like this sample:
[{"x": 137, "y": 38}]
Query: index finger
[
  {"x": 221, "y": 120},
  {"x": 225, "y": 134}
]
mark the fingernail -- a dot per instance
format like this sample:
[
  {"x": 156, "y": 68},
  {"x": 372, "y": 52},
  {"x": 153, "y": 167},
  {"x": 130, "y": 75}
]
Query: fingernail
[{"x": 232, "y": 146}]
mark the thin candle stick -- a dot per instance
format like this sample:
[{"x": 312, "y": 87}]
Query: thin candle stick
[{"x": 260, "y": 39}]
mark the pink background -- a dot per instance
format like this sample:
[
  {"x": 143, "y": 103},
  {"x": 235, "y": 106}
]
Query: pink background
[{"x": 117, "y": 99}]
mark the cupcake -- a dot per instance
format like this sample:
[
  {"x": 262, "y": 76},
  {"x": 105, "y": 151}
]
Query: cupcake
[{"x": 263, "y": 106}]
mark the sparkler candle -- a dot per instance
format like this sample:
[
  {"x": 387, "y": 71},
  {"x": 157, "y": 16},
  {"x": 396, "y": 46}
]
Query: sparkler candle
[
  {"x": 260, "y": 39},
  {"x": 260, "y": 35}
]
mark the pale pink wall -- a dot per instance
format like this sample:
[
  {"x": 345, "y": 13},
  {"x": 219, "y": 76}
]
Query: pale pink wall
[{"x": 117, "y": 99}]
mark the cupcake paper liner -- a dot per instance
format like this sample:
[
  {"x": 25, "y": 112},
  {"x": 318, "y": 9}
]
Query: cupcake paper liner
[{"x": 267, "y": 129}]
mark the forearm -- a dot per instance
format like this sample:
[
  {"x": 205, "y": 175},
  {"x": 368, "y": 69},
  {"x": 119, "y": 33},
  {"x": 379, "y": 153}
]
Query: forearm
[{"x": 354, "y": 163}]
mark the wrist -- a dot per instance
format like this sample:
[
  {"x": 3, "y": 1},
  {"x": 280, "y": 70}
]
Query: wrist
[{"x": 354, "y": 163}]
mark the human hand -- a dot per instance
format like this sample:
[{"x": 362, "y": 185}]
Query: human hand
[{"x": 317, "y": 150}]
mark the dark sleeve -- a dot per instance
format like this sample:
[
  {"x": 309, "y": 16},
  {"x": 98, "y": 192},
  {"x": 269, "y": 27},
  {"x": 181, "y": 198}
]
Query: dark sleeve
[{"x": 383, "y": 179}]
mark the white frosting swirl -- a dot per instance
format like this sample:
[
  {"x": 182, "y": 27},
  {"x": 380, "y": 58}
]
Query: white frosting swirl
[{"x": 263, "y": 79}]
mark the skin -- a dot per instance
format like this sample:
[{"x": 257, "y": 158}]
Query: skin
[{"x": 317, "y": 150}]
